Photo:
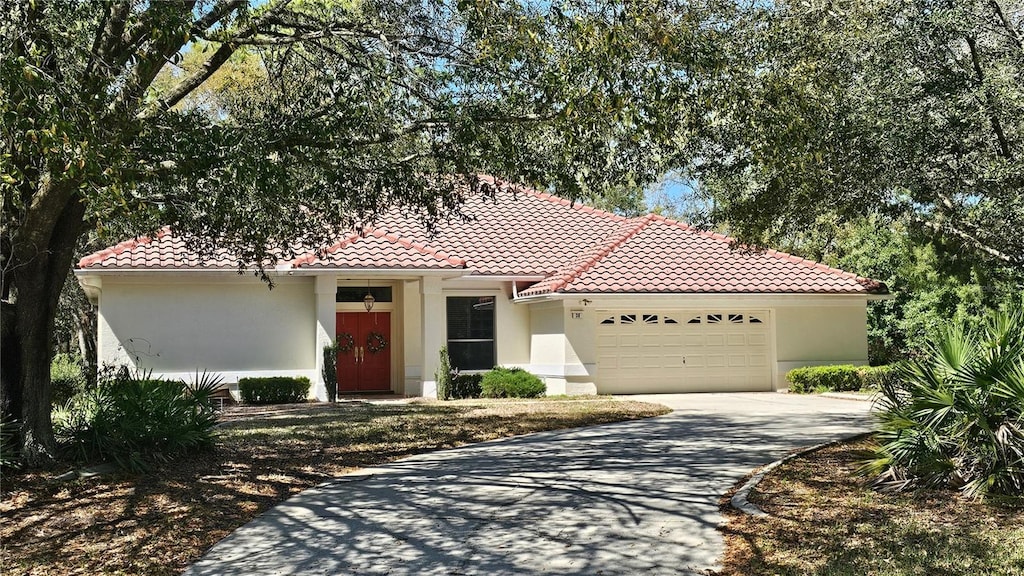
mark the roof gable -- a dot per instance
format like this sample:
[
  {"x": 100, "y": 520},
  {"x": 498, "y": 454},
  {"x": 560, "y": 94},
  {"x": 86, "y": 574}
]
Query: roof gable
[
  {"x": 375, "y": 249},
  {"x": 660, "y": 255}
]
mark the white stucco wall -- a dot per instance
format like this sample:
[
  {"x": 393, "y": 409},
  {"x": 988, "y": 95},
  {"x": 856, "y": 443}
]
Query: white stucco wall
[
  {"x": 512, "y": 329},
  {"x": 806, "y": 330},
  {"x": 820, "y": 335},
  {"x": 412, "y": 329},
  {"x": 233, "y": 326},
  {"x": 177, "y": 324},
  {"x": 562, "y": 343}
]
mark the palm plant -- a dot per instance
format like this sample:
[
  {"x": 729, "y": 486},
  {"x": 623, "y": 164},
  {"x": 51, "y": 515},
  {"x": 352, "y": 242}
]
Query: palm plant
[
  {"x": 955, "y": 417},
  {"x": 135, "y": 420}
]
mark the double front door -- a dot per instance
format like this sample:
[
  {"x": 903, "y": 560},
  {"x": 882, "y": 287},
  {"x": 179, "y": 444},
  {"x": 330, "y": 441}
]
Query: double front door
[{"x": 364, "y": 351}]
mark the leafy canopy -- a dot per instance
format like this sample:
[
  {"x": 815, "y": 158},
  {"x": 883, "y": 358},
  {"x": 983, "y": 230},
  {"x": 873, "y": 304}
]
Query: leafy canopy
[
  {"x": 838, "y": 110},
  {"x": 249, "y": 125}
]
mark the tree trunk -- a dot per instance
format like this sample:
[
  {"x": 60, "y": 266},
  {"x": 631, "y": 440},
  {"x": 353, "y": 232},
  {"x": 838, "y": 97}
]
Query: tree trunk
[{"x": 39, "y": 267}]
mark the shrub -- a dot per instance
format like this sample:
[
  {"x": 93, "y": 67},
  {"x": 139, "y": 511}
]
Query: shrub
[
  {"x": 875, "y": 377},
  {"x": 467, "y": 386},
  {"x": 136, "y": 421},
  {"x": 443, "y": 376},
  {"x": 330, "y": 370},
  {"x": 955, "y": 418},
  {"x": 274, "y": 389},
  {"x": 842, "y": 378},
  {"x": 511, "y": 383},
  {"x": 66, "y": 377}
]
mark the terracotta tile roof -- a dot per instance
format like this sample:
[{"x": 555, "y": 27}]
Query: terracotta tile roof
[
  {"x": 161, "y": 251},
  {"x": 659, "y": 255},
  {"x": 372, "y": 249},
  {"x": 376, "y": 248},
  {"x": 517, "y": 233},
  {"x": 521, "y": 232}
]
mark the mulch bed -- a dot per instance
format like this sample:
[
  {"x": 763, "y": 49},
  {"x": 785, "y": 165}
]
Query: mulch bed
[{"x": 825, "y": 520}]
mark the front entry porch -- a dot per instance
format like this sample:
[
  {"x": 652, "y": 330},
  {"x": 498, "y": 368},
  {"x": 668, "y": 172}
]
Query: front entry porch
[
  {"x": 390, "y": 342},
  {"x": 364, "y": 351},
  {"x": 381, "y": 348}
]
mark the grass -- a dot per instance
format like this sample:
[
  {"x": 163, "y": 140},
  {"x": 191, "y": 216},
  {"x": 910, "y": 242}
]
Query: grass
[
  {"x": 825, "y": 521},
  {"x": 160, "y": 522}
]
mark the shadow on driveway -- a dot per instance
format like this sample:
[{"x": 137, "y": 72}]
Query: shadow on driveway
[{"x": 628, "y": 498}]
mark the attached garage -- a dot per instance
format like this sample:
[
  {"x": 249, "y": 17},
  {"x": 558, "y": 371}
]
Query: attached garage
[{"x": 683, "y": 351}]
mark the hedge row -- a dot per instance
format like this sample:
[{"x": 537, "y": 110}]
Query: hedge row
[
  {"x": 274, "y": 390},
  {"x": 511, "y": 383},
  {"x": 467, "y": 386},
  {"x": 842, "y": 378},
  {"x": 497, "y": 383}
]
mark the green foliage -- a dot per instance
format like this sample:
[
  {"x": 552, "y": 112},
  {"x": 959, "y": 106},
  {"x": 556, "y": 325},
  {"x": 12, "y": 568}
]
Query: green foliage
[
  {"x": 831, "y": 112},
  {"x": 955, "y": 418},
  {"x": 443, "y": 375},
  {"x": 451, "y": 385},
  {"x": 877, "y": 377},
  {"x": 929, "y": 284},
  {"x": 330, "y": 370},
  {"x": 274, "y": 389},
  {"x": 845, "y": 378},
  {"x": 246, "y": 127},
  {"x": 511, "y": 383},
  {"x": 467, "y": 386},
  {"x": 66, "y": 377},
  {"x": 582, "y": 99},
  {"x": 137, "y": 421}
]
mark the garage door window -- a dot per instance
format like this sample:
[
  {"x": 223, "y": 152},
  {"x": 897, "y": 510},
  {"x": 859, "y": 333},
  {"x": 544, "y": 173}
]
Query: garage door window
[
  {"x": 471, "y": 332},
  {"x": 627, "y": 319}
]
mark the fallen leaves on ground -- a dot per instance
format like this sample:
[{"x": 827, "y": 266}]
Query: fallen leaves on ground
[
  {"x": 160, "y": 522},
  {"x": 826, "y": 520}
]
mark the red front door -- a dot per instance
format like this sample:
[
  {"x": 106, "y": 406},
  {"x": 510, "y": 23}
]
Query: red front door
[{"x": 365, "y": 366}]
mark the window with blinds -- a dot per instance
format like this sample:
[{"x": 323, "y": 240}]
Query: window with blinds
[{"x": 471, "y": 332}]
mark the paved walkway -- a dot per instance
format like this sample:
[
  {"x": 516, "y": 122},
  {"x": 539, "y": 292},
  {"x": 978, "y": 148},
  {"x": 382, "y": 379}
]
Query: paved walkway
[{"x": 626, "y": 498}]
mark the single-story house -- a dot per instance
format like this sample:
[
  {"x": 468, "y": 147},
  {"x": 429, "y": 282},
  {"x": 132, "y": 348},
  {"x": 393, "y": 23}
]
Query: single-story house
[{"x": 590, "y": 301}]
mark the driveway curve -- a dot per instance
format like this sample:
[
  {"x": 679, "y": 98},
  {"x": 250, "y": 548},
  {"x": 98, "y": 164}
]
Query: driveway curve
[{"x": 635, "y": 497}]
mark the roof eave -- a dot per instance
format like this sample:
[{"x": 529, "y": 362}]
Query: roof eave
[
  {"x": 363, "y": 272},
  {"x": 705, "y": 295}
]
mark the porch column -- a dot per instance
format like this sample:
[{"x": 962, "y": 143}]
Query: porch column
[
  {"x": 325, "y": 288},
  {"x": 434, "y": 332}
]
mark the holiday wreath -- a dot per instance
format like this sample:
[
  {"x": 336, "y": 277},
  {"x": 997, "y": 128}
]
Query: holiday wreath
[
  {"x": 346, "y": 342},
  {"x": 375, "y": 342}
]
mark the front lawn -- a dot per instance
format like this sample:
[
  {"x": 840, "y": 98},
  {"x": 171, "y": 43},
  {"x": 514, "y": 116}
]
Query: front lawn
[
  {"x": 158, "y": 523},
  {"x": 825, "y": 521}
]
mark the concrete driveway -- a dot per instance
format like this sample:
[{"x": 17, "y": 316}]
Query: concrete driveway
[{"x": 628, "y": 498}]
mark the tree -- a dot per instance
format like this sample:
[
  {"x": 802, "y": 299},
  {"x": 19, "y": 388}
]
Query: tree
[
  {"x": 931, "y": 285},
  {"x": 354, "y": 108},
  {"x": 832, "y": 111}
]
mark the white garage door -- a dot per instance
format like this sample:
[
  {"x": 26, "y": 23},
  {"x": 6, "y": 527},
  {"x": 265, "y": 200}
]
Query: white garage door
[{"x": 683, "y": 351}]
